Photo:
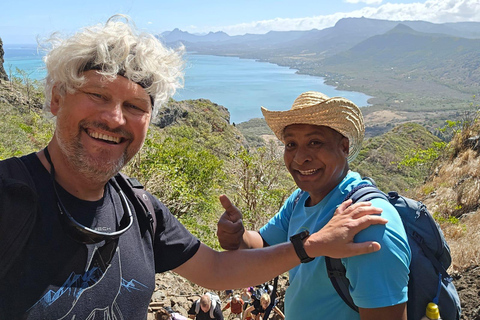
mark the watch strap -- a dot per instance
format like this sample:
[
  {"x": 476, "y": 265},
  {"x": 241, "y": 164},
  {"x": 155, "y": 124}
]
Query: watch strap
[{"x": 297, "y": 241}]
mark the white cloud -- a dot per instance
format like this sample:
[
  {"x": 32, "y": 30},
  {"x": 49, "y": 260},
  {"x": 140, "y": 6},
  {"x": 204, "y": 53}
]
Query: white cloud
[
  {"x": 364, "y": 1},
  {"x": 436, "y": 11}
]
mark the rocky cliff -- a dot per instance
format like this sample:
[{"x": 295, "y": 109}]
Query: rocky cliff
[{"x": 3, "y": 74}]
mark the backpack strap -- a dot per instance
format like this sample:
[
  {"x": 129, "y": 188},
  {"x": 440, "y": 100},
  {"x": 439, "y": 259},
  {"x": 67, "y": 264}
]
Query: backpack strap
[
  {"x": 365, "y": 192},
  {"x": 18, "y": 210},
  {"x": 14, "y": 168},
  {"x": 297, "y": 198},
  {"x": 141, "y": 202},
  {"x": 197, "y": 306},
  {"x": 212, "y": 308},
  {"x": 273, "y": 296},
  {"x": 335, "y": 269},
  {"x": 337, "y": 274}
]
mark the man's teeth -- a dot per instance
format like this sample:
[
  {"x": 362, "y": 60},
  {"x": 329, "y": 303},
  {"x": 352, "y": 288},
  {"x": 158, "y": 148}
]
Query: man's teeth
[
  {"x": 102, "y": 136},
  {"x": 307, "y": 172}
]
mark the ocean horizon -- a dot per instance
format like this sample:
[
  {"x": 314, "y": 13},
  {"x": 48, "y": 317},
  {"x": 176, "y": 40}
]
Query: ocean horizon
[{"x": 240, "y": 85}]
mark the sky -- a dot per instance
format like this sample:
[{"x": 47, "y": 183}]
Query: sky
[{"x": 24, "y": 21}]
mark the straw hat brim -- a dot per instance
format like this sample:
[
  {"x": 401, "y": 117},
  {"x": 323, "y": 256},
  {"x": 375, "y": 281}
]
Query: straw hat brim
[{"x": 337, "y": 113}]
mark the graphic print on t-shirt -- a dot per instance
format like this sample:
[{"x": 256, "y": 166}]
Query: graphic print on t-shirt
[{"x": 78, "y": 292}]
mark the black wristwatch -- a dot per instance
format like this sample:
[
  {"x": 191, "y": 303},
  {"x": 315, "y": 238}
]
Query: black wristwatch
[{"x": 297, "y": 241}]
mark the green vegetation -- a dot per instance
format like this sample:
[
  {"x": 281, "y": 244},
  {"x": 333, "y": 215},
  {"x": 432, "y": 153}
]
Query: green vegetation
[
  {"x": 400, "y": 159},
  {"x": 253, "y": 130},
  {"x": 192, "y": 155},
  {"x": 187, "y": 164},
  {"x": 24, "y": 128}
]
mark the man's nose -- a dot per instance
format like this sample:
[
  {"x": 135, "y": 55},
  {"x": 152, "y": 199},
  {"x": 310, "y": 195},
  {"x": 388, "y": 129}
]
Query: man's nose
[
  {"x": 113, "y": 114},
  {"x": 302, "y": 155}
]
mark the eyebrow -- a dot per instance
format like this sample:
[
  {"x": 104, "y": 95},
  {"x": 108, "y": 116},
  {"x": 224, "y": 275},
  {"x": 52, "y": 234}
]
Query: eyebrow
[{"x": 143, "y": 100}]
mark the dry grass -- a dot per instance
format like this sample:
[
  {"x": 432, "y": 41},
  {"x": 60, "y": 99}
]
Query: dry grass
[
  {"x": 463, "y": 239},
  {"x": 452, "y": 195},
  {"x": 455, "y": 186}
]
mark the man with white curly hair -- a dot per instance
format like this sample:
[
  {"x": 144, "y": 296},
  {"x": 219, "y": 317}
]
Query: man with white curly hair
[{"x": 88, "y": 256}]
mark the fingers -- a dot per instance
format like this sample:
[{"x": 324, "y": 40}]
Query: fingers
[
  {"x": 230, "y": 234},
  {"x": 226, "y": 203},
  {"x": 356, "y": 249},
  {"x": 232, "y": 212},
  {"x": 344, "y": 205},
  {"x": 368, "y": 220},
  {"x": 230, "y": 227},
  {"x": 365, "y": 247},
  {"x": 364, "y": 209},
  {"x": 358, "y": 209}
]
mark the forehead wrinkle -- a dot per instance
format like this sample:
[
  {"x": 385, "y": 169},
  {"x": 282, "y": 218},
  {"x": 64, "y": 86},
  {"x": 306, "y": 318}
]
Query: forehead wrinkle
[
  {"x": 103, "y": 83},
  {"x": 317, "y": 130}
]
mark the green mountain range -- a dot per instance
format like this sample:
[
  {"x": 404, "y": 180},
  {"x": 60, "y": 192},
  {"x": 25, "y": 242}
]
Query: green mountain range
[{"x": 414, "y": 70}]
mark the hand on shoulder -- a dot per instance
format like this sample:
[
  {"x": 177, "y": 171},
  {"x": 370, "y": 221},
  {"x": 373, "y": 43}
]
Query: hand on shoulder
[{"x": 336, "y": 238}]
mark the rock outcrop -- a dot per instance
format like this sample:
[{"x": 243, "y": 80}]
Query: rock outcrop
[{"x": 3, "y": 74}]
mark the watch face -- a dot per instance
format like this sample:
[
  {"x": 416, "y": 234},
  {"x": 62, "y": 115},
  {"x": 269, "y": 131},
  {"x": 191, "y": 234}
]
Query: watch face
[{"x": 304, "y": 234}]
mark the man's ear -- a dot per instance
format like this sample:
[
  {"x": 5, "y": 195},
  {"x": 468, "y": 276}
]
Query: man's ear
[{"x": 55, "y": 101}]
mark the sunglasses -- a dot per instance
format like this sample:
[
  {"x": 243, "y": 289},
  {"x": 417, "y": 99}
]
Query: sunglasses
[{"x": 81, "y": 233}]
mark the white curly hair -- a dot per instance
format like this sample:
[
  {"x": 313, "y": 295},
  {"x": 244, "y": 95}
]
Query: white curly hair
[{"x": 115, "y": 48}]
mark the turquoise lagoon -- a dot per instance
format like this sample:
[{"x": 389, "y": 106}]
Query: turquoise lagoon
[{"x": 241, "y": 85}]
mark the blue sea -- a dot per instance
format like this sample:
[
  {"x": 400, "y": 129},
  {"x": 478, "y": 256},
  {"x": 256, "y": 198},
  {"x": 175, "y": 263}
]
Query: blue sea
[{"x": 241, "y": 85}]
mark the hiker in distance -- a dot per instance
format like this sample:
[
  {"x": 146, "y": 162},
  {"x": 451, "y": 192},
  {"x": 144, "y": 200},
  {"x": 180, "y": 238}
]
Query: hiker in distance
[
  {"x": 321, "y": 136},
  {"x": 91, "y": 252},
  {"x": 206, "y": 308}
]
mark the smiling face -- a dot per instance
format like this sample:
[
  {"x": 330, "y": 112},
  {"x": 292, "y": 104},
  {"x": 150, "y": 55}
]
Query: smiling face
[
  {"x": 102, "y": 125},
  {"x": 316, "y": 157}
]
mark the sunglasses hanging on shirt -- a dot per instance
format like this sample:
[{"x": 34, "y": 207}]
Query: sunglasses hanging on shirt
[{"x": 81, "y": 233}]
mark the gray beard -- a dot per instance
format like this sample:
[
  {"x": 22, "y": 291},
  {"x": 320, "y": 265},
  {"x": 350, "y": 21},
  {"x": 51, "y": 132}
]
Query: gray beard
[{"x": 92, "y": 169}]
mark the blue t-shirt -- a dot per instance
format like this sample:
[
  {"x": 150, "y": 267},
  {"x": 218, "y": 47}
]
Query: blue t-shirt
[{"x": 378, "y": 279}]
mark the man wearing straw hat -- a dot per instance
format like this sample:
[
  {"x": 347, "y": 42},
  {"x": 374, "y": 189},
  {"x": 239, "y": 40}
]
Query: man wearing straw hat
[{"x": 321, "y": 136}]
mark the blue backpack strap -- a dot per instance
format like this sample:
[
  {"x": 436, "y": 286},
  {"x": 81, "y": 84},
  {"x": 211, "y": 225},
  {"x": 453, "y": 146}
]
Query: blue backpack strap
[
  {"x": 335, "y": 269},
  {"x": 365, "y": 192},
  {"x": 141, "y": 202}
]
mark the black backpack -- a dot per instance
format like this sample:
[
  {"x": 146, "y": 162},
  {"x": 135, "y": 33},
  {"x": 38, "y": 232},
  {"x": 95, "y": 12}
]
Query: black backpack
[
  {"x": 19, "y": 207},
  {"x": 429, "y": 280}
]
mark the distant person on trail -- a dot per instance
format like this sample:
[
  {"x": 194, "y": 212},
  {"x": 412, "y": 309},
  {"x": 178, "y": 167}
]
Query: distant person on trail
[
  {"x": 82, "y": 241},
  {"x": 167, "y": 313},
  {"x": 321, "y": 136},
  {"x": 246, "y": 297},
  {"x": 236, "y": 307},
  {"x": 205, "y": 308},
  {"x": 259, "y": 306}
]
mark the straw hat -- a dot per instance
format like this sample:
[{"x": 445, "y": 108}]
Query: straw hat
[{"x": 318, "y": 109}]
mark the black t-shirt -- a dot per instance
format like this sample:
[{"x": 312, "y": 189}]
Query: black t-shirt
[
  {"x": 217, "y": 312},
  {"x": 257, "y": 307},
  {"x": 56, "y": 277}
]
